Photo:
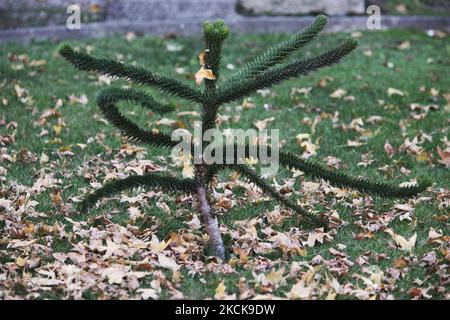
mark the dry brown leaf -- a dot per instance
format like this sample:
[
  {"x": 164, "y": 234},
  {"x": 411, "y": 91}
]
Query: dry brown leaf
[
  {"x": 445, "y": 157},
  {"x": 401, "y": 8},
  {"x": 202, "y": 57},
  {"x": 406, "y": 245},
  {"x": 390, "y": 150},
  {"x": 275, "y": 277},
  {"x": 20, "y": 92},
  {"x": 405, "y": 45},
  {"x": 393, "y": 91},
  {"x": 204, "y": 73},
  {"x": 262, "y": 124},
  {"x": 168, "y": 263},
  {"x": 338, "y": 94},
  {"x": 353, "y": 143},
  {"x": 300, "y": 291}
]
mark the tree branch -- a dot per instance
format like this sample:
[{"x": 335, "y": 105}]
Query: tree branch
[
  {"x": 229, "y": 92},
  {"x": 281, "y": 51},
  {"x": 166, "y": 183},
  {"x": 137, "y": 75},
  {"x": 107, "y": 99}
]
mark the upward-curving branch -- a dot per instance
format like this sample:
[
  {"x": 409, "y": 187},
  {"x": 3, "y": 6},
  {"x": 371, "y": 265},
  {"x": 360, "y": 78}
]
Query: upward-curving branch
[
  {"x": 281, "y": 51},
  {"x": 240, "y": 88},
  {"x": 107, "y": 100}
]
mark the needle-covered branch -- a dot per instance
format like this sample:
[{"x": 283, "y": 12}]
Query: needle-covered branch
[
  {"x": 138, "y": 75},
  {"x": 107, "y": 100},
  {"x": 300, "y": 67},
  {"x": 112, "y": 95},
  {"x": 307, "y": 218},
  {"x": 280, "y": 52},
  {"x": 151, "y": 180},
  {"x": 214, "y": 35},
  {"x": 344, "y": 180},
  {"x": 316, "y": 170}
]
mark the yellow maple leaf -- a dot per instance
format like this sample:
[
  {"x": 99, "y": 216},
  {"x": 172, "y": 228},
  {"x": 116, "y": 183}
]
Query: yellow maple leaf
[
  {"x": 21, "y": 261},
  {"x": 221, "y": 291},
  {"x": 157, "y": 246},
  {"x": 28, "y": 229},
  {"x": 275, "y": 277},
  {"x": 58, "y": 129}
]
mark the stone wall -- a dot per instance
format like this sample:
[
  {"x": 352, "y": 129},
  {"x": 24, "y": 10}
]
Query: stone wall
[
  {"x": 142, "y": 10},
  {"x": 27, "y": 13},
  {"x": 303, "y": 7}
]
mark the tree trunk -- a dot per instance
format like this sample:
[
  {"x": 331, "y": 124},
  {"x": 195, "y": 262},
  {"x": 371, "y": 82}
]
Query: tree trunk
[{"x": 211, "y": 223}]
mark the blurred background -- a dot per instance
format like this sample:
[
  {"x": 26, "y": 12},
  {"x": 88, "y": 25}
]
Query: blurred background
[{"x": 47, "y": 18}]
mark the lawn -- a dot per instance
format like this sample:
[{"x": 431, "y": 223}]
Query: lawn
[
  {"x": 382, "y": 113},
  {"x": 415, "y": 7}
]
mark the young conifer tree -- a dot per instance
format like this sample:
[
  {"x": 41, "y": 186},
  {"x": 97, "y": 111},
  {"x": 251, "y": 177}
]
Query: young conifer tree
[{"x": 271, "y": 68}]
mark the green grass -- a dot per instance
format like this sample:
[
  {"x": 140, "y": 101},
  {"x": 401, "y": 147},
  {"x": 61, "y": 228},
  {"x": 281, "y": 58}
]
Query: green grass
[
  {"x": 417, "y": 7},
  {"x": 365, "y": 78}
]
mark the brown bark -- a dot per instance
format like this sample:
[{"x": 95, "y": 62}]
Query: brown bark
[
  {"x": 209, "y": 220},
  {"x": 211, "y": 224}
]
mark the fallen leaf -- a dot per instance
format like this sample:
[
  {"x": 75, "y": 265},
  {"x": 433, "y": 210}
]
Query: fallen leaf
[
  {"x": 445, "y": 157},
  {"x": 220, "y": 291},
  {"x": 315, "y": 236},
  {"x": 393, "y": 91},
  {"x": 404, "y": 45},
  {"x": 352, "y": 143},
  {"x": 401, "y": 8},
  {"x": 338, "y": 94},
  {"x": 204, "y": 73},
  {"x": 148, "y": 293},
  {"x": 400, "y": 263},
  {"x": 20, "y": 92},
  {"x": 406, "y": 245},
  {"x": 389, "y": 148},
  {"x": 21, "y": 261},
  {"x": 275, "y": 277},
  {"x": 262, "y": 124},
  {"x": 168, "y": 263},
  {"x": 174, "y": 47},
  {"x": 300, "y": 291}
]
